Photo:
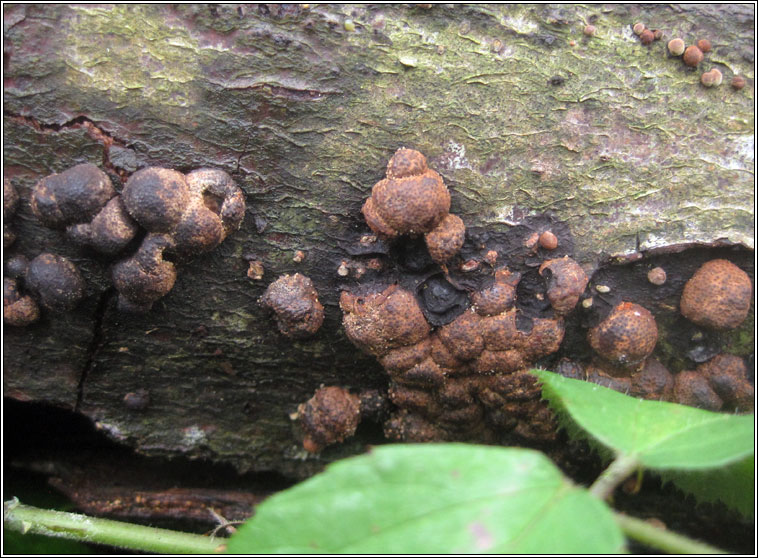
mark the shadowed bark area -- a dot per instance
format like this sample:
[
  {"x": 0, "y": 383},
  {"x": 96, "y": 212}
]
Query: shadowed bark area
[{"x": 303, "y": 107}]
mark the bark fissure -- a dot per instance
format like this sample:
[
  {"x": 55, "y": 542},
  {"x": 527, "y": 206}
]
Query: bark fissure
[{"x": 97, "y": 342}]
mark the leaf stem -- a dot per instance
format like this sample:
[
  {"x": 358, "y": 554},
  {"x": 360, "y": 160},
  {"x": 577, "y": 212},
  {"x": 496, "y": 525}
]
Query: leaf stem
[
  {"x": 662, "y": 539},
  {"x": 28, "y": 519},
  {"x": 617, "y": 471}
]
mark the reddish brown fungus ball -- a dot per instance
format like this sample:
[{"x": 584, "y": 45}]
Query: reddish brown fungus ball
[
  {"x": 145, "y": 277},
  {"x": 657, "y": 276},
  {"x": 589, "y": 30},
  {"x": 627, "y": 336},
  {"x": 379, "y": 322},
  {"x": 738, "y": 82},
  {"x": 566, "y": 282},
  {"x": 18, "y": 310},
  {"x": 676, "y": 46},
  {"x": 638, "y": 28},
  {"x": 446, "y": 240},
  {"x": 329, "y": 417},
  {"x": 704, "y": 45},
  {"x": 717, "y": 296},
  {"x": 727, "y": 376},
  {"x": 693, "y": 56},
  {"x": 294, "y": 301},
  {"x": 55, "y": 282},
  {"x": 548, "y": 240},
  {"x": 647, "y": 37},
  {"x": 413, "y": 199},
  {"x": 653, "y": 382}
]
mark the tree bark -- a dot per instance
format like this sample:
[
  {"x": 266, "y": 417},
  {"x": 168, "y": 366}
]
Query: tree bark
[{"x": 521, "y": 113}]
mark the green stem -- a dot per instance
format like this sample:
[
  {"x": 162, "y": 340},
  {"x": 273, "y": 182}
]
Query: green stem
[
  {"x": 617, "y": 471},
  {"x": 27, "y": 519},
  {"x": 662, "y": 539}
]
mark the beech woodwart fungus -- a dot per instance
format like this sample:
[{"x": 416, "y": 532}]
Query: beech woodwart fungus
[
  {"x": 727, "y": 376},
  {"x": 692, "y": 56},
  {"x": 18, "y": 310},
  {"x": 413, "y": 199},
  {"x": 54, "y": 282},
  {"x": 657, "y": 276},
  {"x": 626, "y": 337},
  {"x": 717, "y": 296},
  {"x": 738, "y": 82},
  {"x": 676, "y": 47},
  {"x": 330, "y": 416},
  {"x": 566, "y": 282},
  {"x": 446, "y": 240},
  {"x": 469, "y": 375},
  {"x": 638, "y": 28},
  {"x": 73, "y": 196},
  {"x": 186, "y": 215},
  {"x": 691, "y": 388},
  {"x": 704, "y": 45},
  {"x": 548, "y": 240},
  {"x": 654, "y": 382},
  {"x": 294, "y": 301},
  {"x": 83, "y": 201},
  {"x": 10, "y": 201},
  {"x": 647, "y": 37}
]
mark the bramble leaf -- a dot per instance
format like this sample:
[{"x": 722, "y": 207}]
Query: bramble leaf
[{"x": 433, "y": 498}]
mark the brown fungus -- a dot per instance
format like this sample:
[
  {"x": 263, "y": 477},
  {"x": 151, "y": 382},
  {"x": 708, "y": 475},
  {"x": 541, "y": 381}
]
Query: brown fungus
[
  {"x": 379, "y": 322},
  {"x": 727, "y": 376},
  {"x": 446, "y": 240},
  {"x": 717, "y": 296},
  {"x": 54, "y": 282},
  {"x": 73, "y": 196},
  {"x": 566, "y": 282},
  {"x": 626, "y": 336},
  {"x": 330, "y": 416},
  {"x": 653, "y": 382},
  {"x": 145, "y": 277},
  {"x": 692, "y": 56},
  {"x": 498, "y": 297},
  {"x": 109, "y": 231},
  {"x": 692, "y": 388},
  {"x": 295, "y": 304},
  {"x": 18, "y": 310},
  {"x": 413, "y": 199}
]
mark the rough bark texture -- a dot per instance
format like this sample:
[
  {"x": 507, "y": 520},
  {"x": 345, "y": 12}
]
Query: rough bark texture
[{"x": 303, "y": 107}]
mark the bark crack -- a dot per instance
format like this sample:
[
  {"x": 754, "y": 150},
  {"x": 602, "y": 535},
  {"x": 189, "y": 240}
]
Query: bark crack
[
  {"x": 97, "y": 133},
  {"x": 95, "y": 345}
]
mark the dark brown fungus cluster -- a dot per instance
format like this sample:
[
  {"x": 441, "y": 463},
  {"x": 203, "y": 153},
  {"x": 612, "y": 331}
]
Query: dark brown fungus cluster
[
  {"x": 465, "y": 380},
  {"x": 50, "y": 281},
  {"x": 718, "y": 384},
  {"x": 717, "y": 296},
  {"x": 330, "y": 416},
  {"x": 295, "y": 304},
  {"x": 413, "y": 200},
  {"x": 10, "y": 202},
  {"x": 566, "y": 281},
  {"x": 182, "y": 214}
]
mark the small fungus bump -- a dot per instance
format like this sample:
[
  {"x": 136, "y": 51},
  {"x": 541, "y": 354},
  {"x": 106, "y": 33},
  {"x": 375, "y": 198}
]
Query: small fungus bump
[
  {"x": 343, "y": 270},
  {"x": 295, "y": 304},
  {"x": 657, "y": 34},
  {"x": 329, "y": 417},
  {"x": 255, "y": 270},
  {"x": 693, "y": 56},
  {"x": 704, "y": 45},
  {"x": 146, "y": 276},
  {"x": 299, "y": 256},
  {"x": 589, "y": 30},
  {"x": 566, "y": 282},
  {"x": 491, "y": 257},
  {"x": 349, "y": 25},
  {"x": 18, "y": 310},
  {"x": 727, "y": 376},
  {"x": 626, "y": 337},
  {"x": 647, "y": 37},
  {"x": 55, "y": 282},
  {"x": 446, "y": 240},
  {"x": 137, "y": 400},
  {"x": 717, "y": 296},
  {"x": 691, "y": 388},
  {"x": 657, "y": 276},
  {"x": 603, "y": 289},
  {"x": 638, "y": 28},
  {"x": 676, "y": 47},
  {"x": 548, "y": 240},
  {"x": 738, "y": 82}
]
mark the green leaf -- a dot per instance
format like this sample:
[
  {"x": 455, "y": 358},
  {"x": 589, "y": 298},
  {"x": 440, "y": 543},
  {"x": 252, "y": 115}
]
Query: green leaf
[
  {"x": 433, "y": 498},
  {"x": 733, "y": 485},
  {"x": 660, "y": 435}
]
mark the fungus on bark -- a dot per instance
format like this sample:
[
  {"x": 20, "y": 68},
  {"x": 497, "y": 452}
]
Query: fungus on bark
[
  {"x": 717, "y": 296},
  {"x": 295, "y": 304},
  {"x": 330, "y": 416}
]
